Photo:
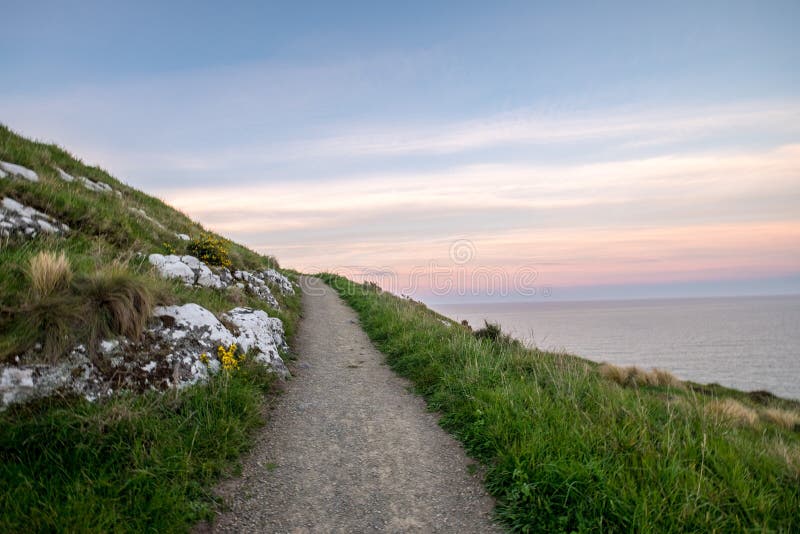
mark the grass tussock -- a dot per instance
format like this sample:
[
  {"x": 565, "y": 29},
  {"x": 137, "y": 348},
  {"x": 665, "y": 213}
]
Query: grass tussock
[
  {"x": 65, "y": 310},
  {"x": 788, "y": 455},
  {"x": 633, "y": 376},
  {"x": 731, "y": 411},
  {"x": 568, "y": 450},
  {"x": 787, "y": 419},
  {"x": 49, "y": 272},
  {"x": 119, "y": 303}
]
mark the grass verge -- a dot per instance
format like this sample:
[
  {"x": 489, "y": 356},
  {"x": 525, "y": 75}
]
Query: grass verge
[
  {"x": 570, "y": 450},
  {"x": 136, "y": 463}
]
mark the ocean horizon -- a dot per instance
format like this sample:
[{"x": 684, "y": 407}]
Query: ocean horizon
[{"x": 744, "y": 342}]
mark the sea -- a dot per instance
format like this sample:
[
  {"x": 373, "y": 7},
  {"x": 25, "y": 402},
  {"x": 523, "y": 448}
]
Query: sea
[{"x": 747, "y": 343}]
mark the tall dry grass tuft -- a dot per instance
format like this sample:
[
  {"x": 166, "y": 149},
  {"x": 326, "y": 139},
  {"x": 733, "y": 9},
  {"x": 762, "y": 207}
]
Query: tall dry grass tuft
[
  {"x": 783, "y": 418},
  {"x": 634, "y": 376},
  {"x": 790, "y": 455},
  {"x": 731, "y": 411},
  {"x": 49, "y": 273},
  {"x": 120, "y": 303},
  {"x": 614, "y": 373},
  {"x": 665, "y": 378}
]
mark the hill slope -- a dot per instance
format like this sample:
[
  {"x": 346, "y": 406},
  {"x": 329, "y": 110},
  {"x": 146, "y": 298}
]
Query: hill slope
[{"x": 108, "y": 292}]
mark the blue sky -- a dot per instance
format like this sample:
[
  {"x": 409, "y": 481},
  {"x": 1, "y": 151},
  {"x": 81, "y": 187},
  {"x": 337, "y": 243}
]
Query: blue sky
[{"x": 601, "y": 143}]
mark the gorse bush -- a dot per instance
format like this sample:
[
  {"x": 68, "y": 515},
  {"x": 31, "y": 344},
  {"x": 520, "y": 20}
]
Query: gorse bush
[{"x": 210, "y": 250}]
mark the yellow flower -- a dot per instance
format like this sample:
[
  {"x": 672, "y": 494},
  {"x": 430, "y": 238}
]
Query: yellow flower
[{"x": 228, "y": 357}]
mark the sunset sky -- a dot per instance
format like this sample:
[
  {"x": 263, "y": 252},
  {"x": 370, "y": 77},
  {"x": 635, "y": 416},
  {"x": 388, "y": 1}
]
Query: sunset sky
[{"x": 480, "y": 150}]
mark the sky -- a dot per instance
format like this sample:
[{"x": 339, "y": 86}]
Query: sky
[{"x": 446, "y": 150}]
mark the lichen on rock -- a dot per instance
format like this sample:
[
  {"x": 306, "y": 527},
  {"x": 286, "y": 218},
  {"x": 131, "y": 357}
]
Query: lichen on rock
[
  {"x": 178, "y": 350},
  {"x": 16, "y": 219},
  {"x": 281, "y": 281}
]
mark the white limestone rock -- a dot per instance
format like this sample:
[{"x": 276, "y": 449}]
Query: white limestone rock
[
  {"x": 255, "y": 284},
  {"x": 193, "y": 318},
  {"x": 16, "y": 385},
  {"x": 21, "y": 383},
  {"x": 206, "y": 278},
  {"x": 65, "y": 176},
  {"x": 171, "y": 266},
  {"x": 143, "y": 214},
  {"x": 259, "y": 331},
  {"x": 91, "y": 185},
  {"x": 183, "y": 237},
  {"x": 187, "y": 268},
  {"x": 279, "y": 280},
  {"x": 170, "y": 355},
  {"x": 20, "y": 220},
  {"x": 192, "y": 262},
  {"x": 18, "y": 170},
  {"x": 191, "y": 330}
]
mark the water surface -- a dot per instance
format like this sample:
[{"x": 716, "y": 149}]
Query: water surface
[{"x": 748, "y": 343}]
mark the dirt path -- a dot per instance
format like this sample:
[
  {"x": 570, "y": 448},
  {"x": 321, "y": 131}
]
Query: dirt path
[{"x": 348, "y": 448}]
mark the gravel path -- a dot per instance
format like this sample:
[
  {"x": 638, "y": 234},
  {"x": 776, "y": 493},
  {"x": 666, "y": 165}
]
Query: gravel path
[{"x": 348, "y": 449}]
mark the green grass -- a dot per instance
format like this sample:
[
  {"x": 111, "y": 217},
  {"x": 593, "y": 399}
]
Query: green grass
[
  {"x": 567, "y": 450},
  {"x": 137, "y": 463},
  {"x": 132, "y": 463}
]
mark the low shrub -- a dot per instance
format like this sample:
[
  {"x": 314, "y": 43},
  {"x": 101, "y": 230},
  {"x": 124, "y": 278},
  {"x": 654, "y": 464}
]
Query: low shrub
[
  {"x": 210, "y": 250},
  {"x": 493, "y": 332}
]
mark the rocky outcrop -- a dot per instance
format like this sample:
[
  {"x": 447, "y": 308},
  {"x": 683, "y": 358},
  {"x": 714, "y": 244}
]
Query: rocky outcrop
[
  {"x": 259, "y": 331},
  {"x": 256, "y": 285},
  {"x": 143, "y": 214},
  {"x": 279, "y": 280},
  {"x": 192, "y": 271},
  {"x": 186, "y": 268},
  {"x": 17, "y": 171},
  {"x": 180, "y": 349},
  {"x": 91, "y": 185},
  {"x": 19, "y": 220}
]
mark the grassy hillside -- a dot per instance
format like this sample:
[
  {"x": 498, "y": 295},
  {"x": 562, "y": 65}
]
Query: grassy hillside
[
  {"x": 573, "y": 446},
  {"x": 135, "y": 462}
]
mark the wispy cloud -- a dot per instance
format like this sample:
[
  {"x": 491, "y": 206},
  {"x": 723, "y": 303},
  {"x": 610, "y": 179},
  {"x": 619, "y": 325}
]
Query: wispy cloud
[
  {"x": 677, "y": 217},
  {"x": 681, "y": 192},
  {"x": 704, "y": 176}
]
